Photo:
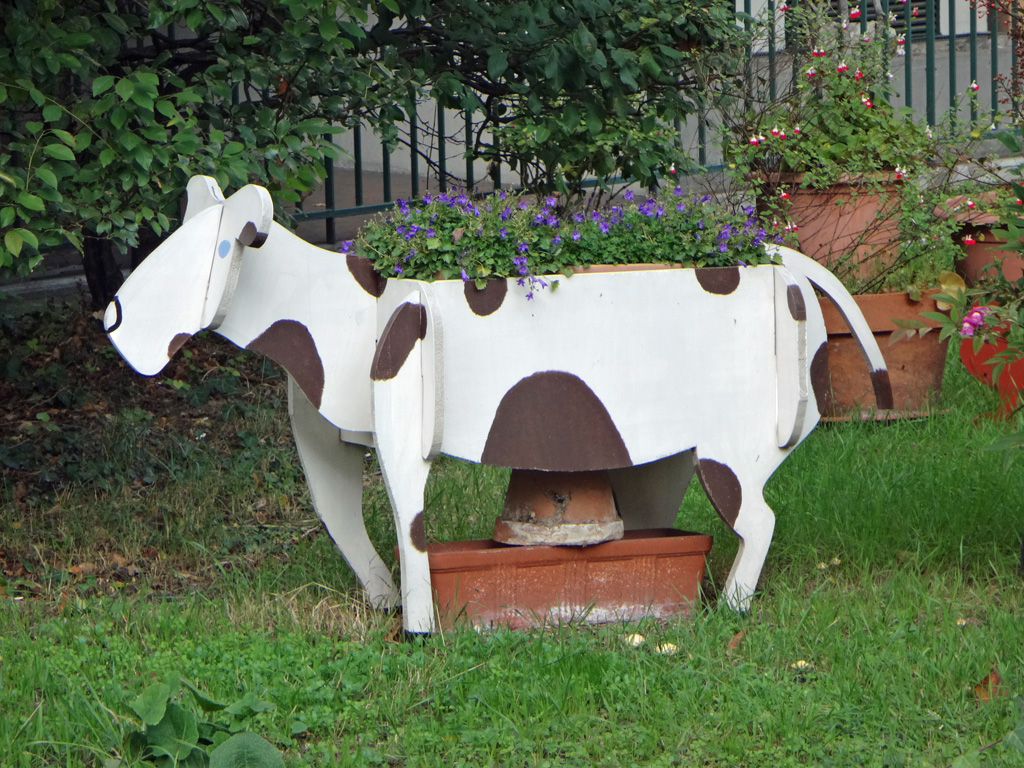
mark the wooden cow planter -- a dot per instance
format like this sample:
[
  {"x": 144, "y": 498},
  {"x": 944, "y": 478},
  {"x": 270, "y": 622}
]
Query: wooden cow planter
[{"x": 652, "y": 374}]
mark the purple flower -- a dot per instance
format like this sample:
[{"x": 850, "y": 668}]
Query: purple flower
[
  {"x": 502, "y": 233},
  {"x": 398, "y": 269},
  {"x": 677, "y": 191},
  {"x": 577, "y": 217},
  {"x": 346, "y": 246},
  {"x": 506, "y": 214},
  {"x": 628, "y": 194},
  {"x": 465, "y": 277},
  {"x": 604, "y": 227},
  {"x": 576, "y": 234},
  {"x": 523, "y": 247},
  {"x": 556, "y": 239},
  {"x": 550, "y": 202}
]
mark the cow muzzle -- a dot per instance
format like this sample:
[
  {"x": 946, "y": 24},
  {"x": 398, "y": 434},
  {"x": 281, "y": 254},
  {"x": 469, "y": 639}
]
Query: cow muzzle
[{"x": 112, "y": 316}]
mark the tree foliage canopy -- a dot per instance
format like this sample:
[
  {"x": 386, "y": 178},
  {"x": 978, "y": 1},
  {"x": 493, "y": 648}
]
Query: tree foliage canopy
[{"x": 107, "y": 107}]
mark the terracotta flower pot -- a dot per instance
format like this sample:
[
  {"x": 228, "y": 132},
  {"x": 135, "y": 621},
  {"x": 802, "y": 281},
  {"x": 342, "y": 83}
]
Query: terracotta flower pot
[
  {"x": 984, "y": 253},
  {"x": 916, "y": 365},
  {"x": 849, "y": 227}
]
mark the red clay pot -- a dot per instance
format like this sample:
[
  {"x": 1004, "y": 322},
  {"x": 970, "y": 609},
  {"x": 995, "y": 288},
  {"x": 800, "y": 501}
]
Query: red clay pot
[
  {"x": 653, "y": 573},
  {"x": 979, "y": 365}
]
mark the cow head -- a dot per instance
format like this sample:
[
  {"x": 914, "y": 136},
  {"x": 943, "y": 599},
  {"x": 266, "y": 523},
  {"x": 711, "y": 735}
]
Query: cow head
[{"x": 187, "y": 283}]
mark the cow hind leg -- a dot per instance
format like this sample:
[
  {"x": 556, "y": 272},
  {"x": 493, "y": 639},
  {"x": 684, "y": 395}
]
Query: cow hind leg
[
  {"x": 737, "y": 494},
  {"x": 334, "y": 475},
  {"x": 649, "y": 495}
]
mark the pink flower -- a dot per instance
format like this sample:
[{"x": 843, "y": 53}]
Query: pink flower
[
  {"x": 968, "y": 240},
  {"x": 842, "y": 67},
  {"x": 855, "y": 13},
  {"x": 973, "y": 320}
]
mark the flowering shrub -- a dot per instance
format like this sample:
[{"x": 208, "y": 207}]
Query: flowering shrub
[
  {"x": 834, "y": 118},
  {"x": 512, "y": 235}
]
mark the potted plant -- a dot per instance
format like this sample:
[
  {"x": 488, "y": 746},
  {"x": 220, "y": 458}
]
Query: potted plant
[
  {"x": 988, "y": 317},
  {"x": 826, "y": 151},
  {"x": 978, "y": 209},
  {"x": 536, "y": 239},
  {"x": 845, "y": 176}
]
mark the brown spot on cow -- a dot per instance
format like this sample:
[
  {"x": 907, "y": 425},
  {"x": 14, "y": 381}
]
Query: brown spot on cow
[
  {"x": 177, "y": 343},
  {"x": 723, "y": 489},
  {"x": 718, "y": 280},
  {"x": 821, "y": 383},
  {"x": 406, "y": 326},
  {"x": 289, "y": 343},
  {"x": 485, "y": 302},
  {"x": 251, "y": 236},
  {"x": 883, "y": 389},
  {"x": 553, "y": 421},
  {"x": 369, "y": 279},
  {"x": 795, "y": 299},
  {"x": 418, "y": 533}
]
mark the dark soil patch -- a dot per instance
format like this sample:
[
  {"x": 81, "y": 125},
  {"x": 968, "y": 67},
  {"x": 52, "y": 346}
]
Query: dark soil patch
[{"x": 77, "y": 422}]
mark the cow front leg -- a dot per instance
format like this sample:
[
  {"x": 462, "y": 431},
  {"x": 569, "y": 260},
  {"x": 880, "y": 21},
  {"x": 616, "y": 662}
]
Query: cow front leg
[
  {"x": 736, "y": 492},
  {"x": 399, "y": 427},
  {"x": 334, "y": 475}
]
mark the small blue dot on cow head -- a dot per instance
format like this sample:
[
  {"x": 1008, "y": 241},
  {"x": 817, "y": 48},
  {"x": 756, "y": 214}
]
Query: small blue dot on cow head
[{"x": 224, "y": 248}]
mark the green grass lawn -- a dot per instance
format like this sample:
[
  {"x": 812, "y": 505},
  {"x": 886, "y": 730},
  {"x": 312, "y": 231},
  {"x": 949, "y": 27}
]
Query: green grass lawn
[{"x": 161, "y": 528}]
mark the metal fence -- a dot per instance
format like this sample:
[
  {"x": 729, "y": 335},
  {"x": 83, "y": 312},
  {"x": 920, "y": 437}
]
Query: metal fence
[{"x": 948, "y": 47}]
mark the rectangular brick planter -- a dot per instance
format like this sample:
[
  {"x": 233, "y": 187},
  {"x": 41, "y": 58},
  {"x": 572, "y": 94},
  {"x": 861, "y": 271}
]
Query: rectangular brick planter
[
  {"x": 651, "y": 573},
  {"x": 916, "y": 365}
]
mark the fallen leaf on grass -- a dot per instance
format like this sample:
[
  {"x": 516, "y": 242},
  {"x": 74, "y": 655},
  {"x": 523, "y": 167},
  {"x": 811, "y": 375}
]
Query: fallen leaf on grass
[
  {"x": 990, "y": 687},
  {"x": 734, "y": 643}
]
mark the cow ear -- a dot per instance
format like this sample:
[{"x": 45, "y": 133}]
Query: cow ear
[
  {"x": 203, "y": 192},
  {"x": 245, "y": 222},
  {"x": 248, "y": 215}
]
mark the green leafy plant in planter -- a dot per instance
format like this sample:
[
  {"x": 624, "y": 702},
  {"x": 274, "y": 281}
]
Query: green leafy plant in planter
[{"x": 452, "y": 236}]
